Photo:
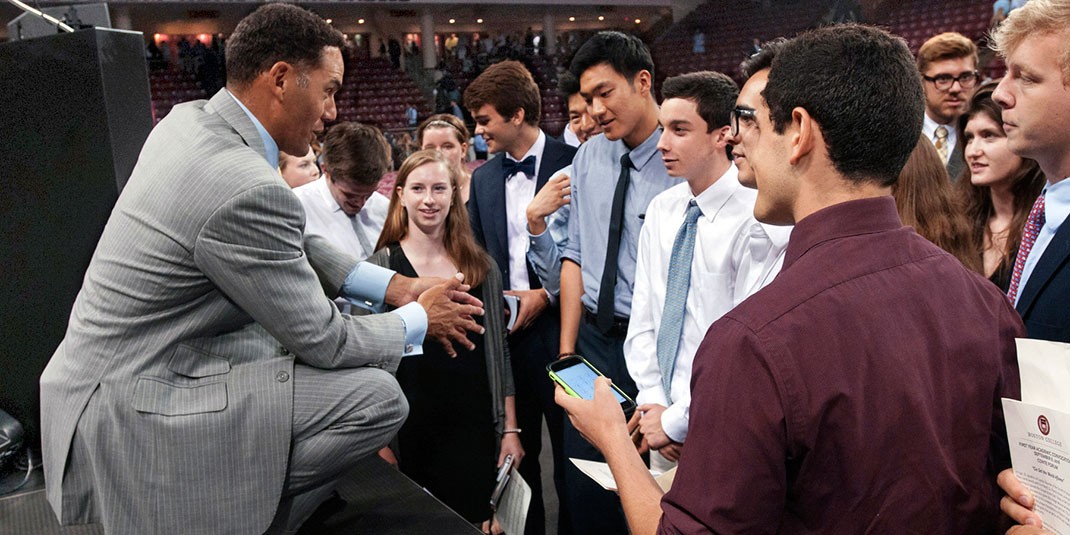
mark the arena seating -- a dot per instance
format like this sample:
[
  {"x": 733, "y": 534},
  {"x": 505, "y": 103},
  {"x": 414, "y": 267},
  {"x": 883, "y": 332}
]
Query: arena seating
[
  {"x": 170, "y": 87},
  {"x": 918, "y": 21},
  {"x": 729, "y": 27},
  {"x": 377, "y": 94}
]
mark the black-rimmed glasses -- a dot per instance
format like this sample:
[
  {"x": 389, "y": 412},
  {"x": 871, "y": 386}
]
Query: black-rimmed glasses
[
  {"x": 944, "y": 82},
  {"x": 741, "y": 114}
]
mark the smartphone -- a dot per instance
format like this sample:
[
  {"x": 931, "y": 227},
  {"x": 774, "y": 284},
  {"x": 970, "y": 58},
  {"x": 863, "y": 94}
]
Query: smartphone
[
  {"x": 504, "y": 475},
  {"x": 577, "y": 376},
  {"x": 512, "y": 304}
]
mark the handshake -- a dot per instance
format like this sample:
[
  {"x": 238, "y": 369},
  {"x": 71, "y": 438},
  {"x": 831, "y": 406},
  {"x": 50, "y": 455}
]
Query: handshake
[{"x": 450, "y": 309}]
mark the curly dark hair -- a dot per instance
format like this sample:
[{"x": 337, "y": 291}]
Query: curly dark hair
[
  {"x": 763, "y": 59},
  {"x": 861, "y": 86},
  {"x": 277, "y": 32}
]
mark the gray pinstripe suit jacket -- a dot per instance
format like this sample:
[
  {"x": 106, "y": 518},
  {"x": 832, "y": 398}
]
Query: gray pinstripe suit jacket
[{"x": 175, "y": 370}]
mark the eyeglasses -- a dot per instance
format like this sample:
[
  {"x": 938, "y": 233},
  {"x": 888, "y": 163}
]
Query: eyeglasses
[
  {"x": 944, "y": 82},
  {"x": 745, "y": 114}
]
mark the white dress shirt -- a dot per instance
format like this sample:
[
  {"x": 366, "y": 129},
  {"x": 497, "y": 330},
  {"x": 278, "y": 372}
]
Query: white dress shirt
[
  {"x": 519, "y": 191},
  {"x": 1056, "y": 210},
  {"x": 324, "y": 217},
  {"x": 734, "y": 257},
  {"x": 928, "y": 129}
]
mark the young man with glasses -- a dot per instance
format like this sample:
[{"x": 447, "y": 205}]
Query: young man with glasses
[
  {"x": 948, "y": 67},
  {"x": 831, "y": 399}
]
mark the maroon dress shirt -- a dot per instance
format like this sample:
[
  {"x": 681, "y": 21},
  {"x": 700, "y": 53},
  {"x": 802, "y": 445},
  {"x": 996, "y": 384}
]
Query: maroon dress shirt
[{"x": 858, "y": 393}]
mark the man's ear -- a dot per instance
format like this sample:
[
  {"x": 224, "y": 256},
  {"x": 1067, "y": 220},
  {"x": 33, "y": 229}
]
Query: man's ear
[
  {"x": 518, "y": 117},
  {"x": 723, "y": 135},
  {"x": 805, "y": 135},
  {"x": 278, "y": 75},
  {"x": 643, "y": 82}
]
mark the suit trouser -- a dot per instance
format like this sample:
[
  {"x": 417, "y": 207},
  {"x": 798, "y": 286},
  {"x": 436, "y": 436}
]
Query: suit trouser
[
  {"x": 595, "y": 510},
  {"x": 530, "y": 351},
  {"x": 339, "y": 416}
]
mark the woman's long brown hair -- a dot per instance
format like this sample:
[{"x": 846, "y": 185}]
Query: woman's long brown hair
[
  {"x": 976, "y": 201},
  {"x": 923, "y": 198},
  {"x": 460, "y": 244}
]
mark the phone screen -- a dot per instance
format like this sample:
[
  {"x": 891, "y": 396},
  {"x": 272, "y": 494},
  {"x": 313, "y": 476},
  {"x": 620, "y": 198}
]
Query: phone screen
[{"x": 580, "y": 379}]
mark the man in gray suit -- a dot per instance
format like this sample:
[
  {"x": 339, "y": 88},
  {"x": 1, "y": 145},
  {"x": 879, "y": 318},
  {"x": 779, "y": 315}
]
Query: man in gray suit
[{"x": 206, "y": 382}]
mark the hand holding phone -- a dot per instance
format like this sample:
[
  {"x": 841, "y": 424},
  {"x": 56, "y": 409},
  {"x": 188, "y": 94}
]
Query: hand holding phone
[{"x": 576, "y": 375}]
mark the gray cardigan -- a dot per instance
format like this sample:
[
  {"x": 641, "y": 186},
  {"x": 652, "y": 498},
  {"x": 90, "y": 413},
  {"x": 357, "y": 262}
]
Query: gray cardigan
[{"x": 495, "y": 349}]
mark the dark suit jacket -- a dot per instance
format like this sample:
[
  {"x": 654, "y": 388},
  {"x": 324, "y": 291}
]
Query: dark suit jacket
[
  {"x": 1045, "y": 301},
  {"x": 486, "y": 200},
  {"x": 956, "y": 162},
  {"x": 533, "y": 347}
]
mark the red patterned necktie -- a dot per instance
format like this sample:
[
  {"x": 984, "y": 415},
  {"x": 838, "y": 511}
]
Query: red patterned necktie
[{"x": 1029, "y": 237}]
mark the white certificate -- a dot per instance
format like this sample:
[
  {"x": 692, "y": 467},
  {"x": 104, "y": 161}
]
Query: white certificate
[
  {"x": 1038, "y": 429},
  {"x": 1040, "y": 452}
]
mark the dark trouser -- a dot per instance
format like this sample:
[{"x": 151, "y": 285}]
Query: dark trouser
[
  {"x": 598, "y": 510},
  {"x": 531, "y": 350}
]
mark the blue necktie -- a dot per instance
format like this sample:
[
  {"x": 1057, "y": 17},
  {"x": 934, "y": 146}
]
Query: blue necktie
[
  {"x": 511, "y": 167},
  {"x": 672, "y": 316}
]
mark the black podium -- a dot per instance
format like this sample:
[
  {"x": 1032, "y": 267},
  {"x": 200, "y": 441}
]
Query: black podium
[{"x": 74, "y": 111}]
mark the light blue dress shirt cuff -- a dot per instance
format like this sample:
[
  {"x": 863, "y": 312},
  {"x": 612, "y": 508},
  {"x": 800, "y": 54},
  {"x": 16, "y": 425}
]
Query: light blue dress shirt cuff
[
  {"x": 545, "y": 258},
  {"x": 365, "y": 287},
  {"x": 415, "y": 320}
]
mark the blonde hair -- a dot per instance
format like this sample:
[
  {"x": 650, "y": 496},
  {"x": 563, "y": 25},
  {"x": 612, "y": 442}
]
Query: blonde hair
[
  {"x": 1035, "y": 17},
  {"x": 460, "y": 243}
]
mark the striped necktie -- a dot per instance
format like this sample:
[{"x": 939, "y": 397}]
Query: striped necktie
[{"x": 1029, "y": 236}]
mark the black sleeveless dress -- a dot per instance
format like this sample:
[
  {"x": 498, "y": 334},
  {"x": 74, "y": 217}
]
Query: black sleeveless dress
[{"x": 448, "y": 443}]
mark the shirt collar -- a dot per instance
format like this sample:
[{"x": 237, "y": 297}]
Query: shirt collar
[
  {"x": 535, "y": 150},
  {"x": 714, "y": 197},
  {"x": 644, "y": 153},
  {"x": 271, "y": 149},
  {"x": 851, "y": 218},
  {"x": 1056, "y": 204},
  {"x": 929, "y": 126}
]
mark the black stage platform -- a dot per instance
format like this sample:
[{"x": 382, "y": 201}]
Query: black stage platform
[{"x": 377, "y": 499}]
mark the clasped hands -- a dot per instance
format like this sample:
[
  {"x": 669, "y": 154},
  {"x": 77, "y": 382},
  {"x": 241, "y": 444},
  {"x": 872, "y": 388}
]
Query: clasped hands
[{"x": 450, "y": 309}]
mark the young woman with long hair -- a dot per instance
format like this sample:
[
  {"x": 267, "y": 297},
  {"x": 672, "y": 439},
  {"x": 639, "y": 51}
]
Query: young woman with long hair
[
  {"x": 997, "y": 189},
  {"x": 923, "y": 197},
  {"x": 448, "y": 134},
  {"x": 462, "y": 419}
]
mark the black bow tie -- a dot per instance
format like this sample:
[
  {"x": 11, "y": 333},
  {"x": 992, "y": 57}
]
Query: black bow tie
[{"x": 511, "y": 167}]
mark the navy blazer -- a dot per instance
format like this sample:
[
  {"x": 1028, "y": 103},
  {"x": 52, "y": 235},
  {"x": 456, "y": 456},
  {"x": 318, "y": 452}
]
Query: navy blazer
[
  {"x": 1045, "y": 301},
  {"x": 486, "y": 200}
]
